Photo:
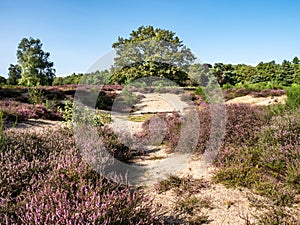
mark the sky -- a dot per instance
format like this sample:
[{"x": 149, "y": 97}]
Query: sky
[{"x": 78, "y": 33}]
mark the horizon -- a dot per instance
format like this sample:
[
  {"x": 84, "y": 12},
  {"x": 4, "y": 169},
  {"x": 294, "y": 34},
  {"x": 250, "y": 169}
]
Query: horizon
[{"x": 78, "y": 33}]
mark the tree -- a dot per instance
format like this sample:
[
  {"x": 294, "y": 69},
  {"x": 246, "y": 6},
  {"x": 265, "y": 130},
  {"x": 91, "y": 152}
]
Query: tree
[
  {"x": 296, "y": 60},
  {"x": 285, "y": 75},
  {"x": 14, "y": 74},
  {"x": 2, "y": 80},
  {"x": 151, "y": 52},
  {"x": 224, "y": 74},
  {"x": 36, "y": 69},
  {"x": 244, "y": 73}
]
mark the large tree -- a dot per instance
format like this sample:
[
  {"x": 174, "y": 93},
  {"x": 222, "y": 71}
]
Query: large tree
[
  {"x": 151, "y": 51},
  {"x": 34, "y": 62}
]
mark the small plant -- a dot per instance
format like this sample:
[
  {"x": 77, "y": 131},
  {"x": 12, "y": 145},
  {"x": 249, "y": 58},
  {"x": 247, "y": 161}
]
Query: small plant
[
  {"x": 200, "y": 91},
  {"x": 140, "y": 118},
  {"x": 35, "y": 96},
  {"x": 182, "y": 185},
  {"x": 73, "y": 114},
  {"x": 191, "y": 207},
  {"x": 67, "y": 111}
]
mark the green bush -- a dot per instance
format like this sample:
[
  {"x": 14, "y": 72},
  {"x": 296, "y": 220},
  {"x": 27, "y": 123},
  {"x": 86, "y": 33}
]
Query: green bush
[
  {"x": 73, "y": 114},
  {"x": 293, "y": 96},
  {"x": 199, "y": 91},
  {"x": 35, "y": 96}
]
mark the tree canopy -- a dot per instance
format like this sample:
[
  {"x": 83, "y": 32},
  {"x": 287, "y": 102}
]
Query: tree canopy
[
  {"x": 151, "y": 51},
  {"x": 36, "y": 69}
]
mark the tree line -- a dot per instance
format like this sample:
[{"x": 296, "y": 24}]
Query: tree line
[{"x": 148, "y": 51}]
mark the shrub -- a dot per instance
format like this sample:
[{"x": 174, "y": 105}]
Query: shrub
[
  {"x": 270, "y": 164},
  {"x": 16, "y": 111},
  {"x": 35, "y": 96},
  {"x": 243, "y": 122},
  {"x": 45, "y": 181},
  {"x": 117, "y": 145},
  {"x": 293, "y": 94},
  {"x": 268, "y": 92}
]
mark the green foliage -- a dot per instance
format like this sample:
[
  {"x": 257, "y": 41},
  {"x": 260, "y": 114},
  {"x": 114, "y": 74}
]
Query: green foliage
[
  {"x": 151, "y": 52},
  {"x": 2, "y": 80},
  {"x": 14, "y": 74},
  {"x": 58, "y": 81},
  {"x": 36, "y": 69},
  {"x": 73, "y": 114},
  {"x": 35, "y": 96},
  {"x": 199, "y": 74},
  {"x": 97, "y": 78},
  {"x": 71, "y": 79},
  {"x": 67, "y": 111},
  {"x": 224, "y": 73},
  {"x": 293, "y": 94},
  {"x": 146, "y": 69},
  {"x": 199, "y": 91},
  {"x": 267, "y": 75}
]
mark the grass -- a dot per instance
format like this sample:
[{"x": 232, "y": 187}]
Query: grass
[
  {"x": 140, "y": 118},
  {"x": 181, "y": 185}
]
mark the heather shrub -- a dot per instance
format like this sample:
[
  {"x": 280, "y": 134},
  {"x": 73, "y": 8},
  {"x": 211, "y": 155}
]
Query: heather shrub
[
  {"x": 16, "y": 111},
  {"x": 268, "y": 92},
  {"x": 235, "y": 92},
  {"x": 243, "y": 122},
  {"x": 115, "y": 144},
  {"x": 44, "y": 180},
  {"x": 172, "y": 128},
  {"x": 270, "y": 164},
  {"x": 277, "y": 215}
]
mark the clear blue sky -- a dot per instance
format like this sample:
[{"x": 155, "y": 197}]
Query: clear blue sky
[{"x": 77, "y": 33}]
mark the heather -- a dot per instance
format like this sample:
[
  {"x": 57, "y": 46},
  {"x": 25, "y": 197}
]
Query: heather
[
  {"x": 44, "y": 180},
  {"x": 260, "y": 149},
  {"x": 15, "y": 111},
  {"x": 269, "y": 165}
]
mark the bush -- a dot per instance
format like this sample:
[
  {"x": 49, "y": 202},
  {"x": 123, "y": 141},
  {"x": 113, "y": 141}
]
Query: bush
[
  {"x": 45, "y": 181},
  {"x": 293, "y": 96},
  {"x": 35, "y": 96},
  {"x": 16, "y": 111},
  {"x": 270, "y": 164}
]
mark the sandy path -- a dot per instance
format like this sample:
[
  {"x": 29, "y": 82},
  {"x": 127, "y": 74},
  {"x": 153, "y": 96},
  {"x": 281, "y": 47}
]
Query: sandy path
[{"x": 248, "y": 99}]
